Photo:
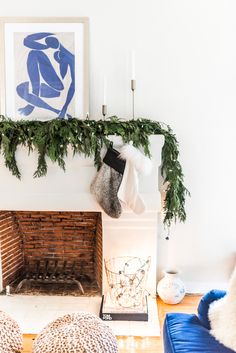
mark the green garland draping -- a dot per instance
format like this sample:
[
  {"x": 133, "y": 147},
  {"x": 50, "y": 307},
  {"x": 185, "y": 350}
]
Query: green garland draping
[{"x": 51, "y": 139}]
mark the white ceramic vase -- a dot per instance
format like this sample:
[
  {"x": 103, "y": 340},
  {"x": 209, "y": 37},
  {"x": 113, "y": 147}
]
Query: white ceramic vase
[{"x": 170, "y": 288}]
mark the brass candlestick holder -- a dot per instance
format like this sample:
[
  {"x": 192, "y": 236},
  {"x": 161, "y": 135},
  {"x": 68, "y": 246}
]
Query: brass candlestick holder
[
  {"x": 104, "y": 110},
  {"x": 133, "y": 88}
]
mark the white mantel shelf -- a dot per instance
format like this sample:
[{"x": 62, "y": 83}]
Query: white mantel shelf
[{"x": 70, "y": 190}]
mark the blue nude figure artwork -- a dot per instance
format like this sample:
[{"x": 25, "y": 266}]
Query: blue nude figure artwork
[{"x": 47, "y": 86}]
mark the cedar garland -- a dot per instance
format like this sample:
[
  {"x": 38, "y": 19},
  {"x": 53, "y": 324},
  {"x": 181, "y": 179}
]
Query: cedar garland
[{"x": 51, "y": 139}]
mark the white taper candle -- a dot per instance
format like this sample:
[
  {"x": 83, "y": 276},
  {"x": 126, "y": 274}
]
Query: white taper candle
[
  {"x": 133, "y": 73},
  {"x": 104, "y": 90}
]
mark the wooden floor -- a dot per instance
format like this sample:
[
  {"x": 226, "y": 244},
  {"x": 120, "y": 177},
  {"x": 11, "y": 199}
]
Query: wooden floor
[{"x": 142, "y": 344}]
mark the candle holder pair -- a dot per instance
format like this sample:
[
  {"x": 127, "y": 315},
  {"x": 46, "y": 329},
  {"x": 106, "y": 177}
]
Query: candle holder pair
[{"x": 133, "y": 88}]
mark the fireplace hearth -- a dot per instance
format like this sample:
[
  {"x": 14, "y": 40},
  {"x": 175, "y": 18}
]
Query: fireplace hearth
[{"x": 51, "y": 252}]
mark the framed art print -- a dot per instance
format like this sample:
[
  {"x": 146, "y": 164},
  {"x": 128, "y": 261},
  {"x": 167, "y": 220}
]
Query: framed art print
[{"x": 44, "y": 68}]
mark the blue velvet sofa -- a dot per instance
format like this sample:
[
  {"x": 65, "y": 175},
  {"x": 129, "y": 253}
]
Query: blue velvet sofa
[{"x": 184, "y": 333}]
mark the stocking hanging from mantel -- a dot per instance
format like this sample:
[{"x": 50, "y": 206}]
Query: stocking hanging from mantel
[
  {"x": 107, "y": 181},
  {"x": 136, "y": 164},
  {"x": 118, "y": 180}
]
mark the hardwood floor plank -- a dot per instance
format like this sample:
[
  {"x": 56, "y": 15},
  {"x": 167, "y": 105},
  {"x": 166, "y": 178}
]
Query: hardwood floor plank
[
  {"x": 28, "y": 343},
  {"x": 142, "y": 344}
]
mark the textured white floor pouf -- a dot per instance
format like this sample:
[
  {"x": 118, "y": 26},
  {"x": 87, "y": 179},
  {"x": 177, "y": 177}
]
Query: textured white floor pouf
[
  {"x": 11, "y": 338},
  {"x": 76, "y": 333}
]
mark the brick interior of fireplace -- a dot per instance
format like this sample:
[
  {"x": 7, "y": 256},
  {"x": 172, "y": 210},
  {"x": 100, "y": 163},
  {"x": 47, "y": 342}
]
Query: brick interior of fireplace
[{"x": 40, "y": 245}]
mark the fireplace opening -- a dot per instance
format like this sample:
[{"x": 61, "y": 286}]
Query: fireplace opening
[{"x": 51, "y": 252}]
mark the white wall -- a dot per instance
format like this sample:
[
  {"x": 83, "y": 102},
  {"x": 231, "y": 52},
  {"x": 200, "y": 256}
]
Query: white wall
[{"x": 186, "y": 76}]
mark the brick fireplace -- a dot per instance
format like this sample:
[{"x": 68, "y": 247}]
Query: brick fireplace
[
  {"x": 47, "y": 218},
  {"x": 51, "y": 244}
]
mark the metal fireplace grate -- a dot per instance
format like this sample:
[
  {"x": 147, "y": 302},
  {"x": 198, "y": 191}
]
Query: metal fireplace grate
[{"x": 52, "y": 271}]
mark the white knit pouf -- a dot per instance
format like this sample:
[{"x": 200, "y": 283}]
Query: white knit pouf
[
  {"x": 76, "y": 333},
  {"x": 11, "y": 339}
]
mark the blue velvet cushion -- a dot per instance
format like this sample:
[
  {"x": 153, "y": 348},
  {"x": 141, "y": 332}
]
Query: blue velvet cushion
[
  {"x": 204, "y": 304},
  {"x": 184, "y": 333}
]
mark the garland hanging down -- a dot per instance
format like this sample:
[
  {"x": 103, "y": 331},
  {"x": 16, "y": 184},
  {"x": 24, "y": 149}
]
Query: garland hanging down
[{"x": 51, "y": 139}]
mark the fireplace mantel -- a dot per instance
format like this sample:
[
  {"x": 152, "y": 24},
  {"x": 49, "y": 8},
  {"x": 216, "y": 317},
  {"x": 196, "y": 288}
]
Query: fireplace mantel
[
  {"x": 70, "y": 190},
  {"x": 133, "y": 235}
]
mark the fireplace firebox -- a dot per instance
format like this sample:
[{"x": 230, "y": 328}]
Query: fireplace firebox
[{"x": 51, "y": 252}]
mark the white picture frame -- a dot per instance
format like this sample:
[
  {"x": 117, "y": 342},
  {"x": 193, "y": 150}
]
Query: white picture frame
[{"x": 44, "y": 68}]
